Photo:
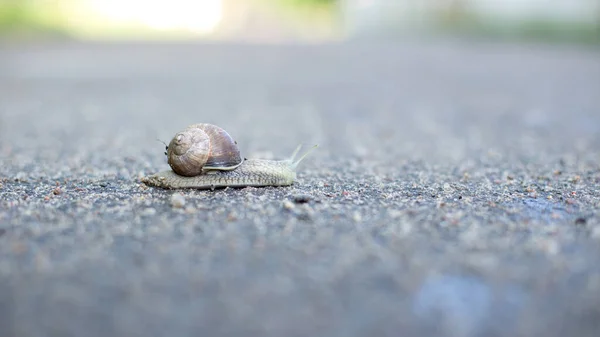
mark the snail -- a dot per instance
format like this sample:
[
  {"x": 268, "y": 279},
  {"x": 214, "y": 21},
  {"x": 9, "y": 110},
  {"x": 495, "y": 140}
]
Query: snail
[{"x": 204, "y": 156}]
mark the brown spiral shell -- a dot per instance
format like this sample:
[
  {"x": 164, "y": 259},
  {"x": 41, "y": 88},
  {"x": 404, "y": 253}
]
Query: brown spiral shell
[{"x": 202, "y": 147}]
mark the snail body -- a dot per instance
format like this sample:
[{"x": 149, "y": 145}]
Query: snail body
[{"x": 204, "y": 156}]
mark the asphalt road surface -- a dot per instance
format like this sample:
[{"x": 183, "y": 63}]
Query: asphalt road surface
[{"x": 455, "y": 191}]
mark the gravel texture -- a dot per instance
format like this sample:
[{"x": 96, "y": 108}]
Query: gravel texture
[{"x": 455, "y": 191}]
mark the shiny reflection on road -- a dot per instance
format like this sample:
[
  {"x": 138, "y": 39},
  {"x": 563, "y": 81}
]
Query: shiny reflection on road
[{"x": 460, "y": 305}]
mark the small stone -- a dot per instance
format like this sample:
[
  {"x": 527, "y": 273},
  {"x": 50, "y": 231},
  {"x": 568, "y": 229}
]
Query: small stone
[
  {"x": 56, "y": 191},
  {"x": 394, "y": 214},
  {"x": 305, "y": 213},
  {"x": 301, "y": 198},
  {"x": 190, "y": 209},
  {"x": 288, "y": 205},
  {"x": 232, "y": 216},
  {"x": 550, "y": 247},
  {"x": 177, "y": 200},
  {"x": 580, "y": 221},
  {"x": 356, "y": 217},
  {"x": 149, "y": 211}
]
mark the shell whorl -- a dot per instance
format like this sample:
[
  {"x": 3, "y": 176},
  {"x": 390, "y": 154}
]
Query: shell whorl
[{"x": 202, "y": 147}]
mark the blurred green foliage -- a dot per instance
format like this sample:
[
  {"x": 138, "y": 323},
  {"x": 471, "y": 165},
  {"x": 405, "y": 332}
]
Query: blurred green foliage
[
  {"x": 22, "y": 18},
  {"x": 311, "y": 2},
  {"x": 15, "y": 14},
  {"x": 304, "y": 6},
  {"x": 464, "y": 23},
  {"x": 35, "y": 18}
]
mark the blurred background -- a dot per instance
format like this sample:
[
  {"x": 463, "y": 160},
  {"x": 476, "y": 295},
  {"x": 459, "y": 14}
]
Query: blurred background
[{"x": 273, "y": 21}]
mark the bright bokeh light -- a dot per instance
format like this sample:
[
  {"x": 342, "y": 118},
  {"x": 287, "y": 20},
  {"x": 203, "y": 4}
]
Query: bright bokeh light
[{"x": 198, "y": 16}]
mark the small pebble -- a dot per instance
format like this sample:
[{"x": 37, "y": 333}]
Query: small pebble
[
  {"x": 301, "y": 198},
  {"x": 149, "y": 211},
  {"x": 177, "y": 200},
  {"x": 232, "y": 216},
  {"x": 305, "y": 214},
  {"x": 394, "y": 214},
  {"x": 550, "y": 247},
  {"x": 288, "y": 205}
]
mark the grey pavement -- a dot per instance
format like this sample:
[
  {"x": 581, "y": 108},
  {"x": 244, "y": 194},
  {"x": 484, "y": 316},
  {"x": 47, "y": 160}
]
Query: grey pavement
[{"x": 455, "y": 191}]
